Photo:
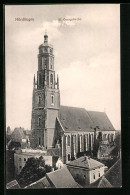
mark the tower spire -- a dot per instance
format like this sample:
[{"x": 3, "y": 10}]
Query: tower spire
[{"x": 45, "y": 37}]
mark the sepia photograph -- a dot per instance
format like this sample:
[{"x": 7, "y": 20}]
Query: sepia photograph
[{"x": 63, "y": 96}]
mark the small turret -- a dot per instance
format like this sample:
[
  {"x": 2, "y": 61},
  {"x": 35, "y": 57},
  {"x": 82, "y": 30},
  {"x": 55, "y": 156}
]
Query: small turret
[
  {"x": 34, "y": 81},
  {"x": 57, "y": 82}
]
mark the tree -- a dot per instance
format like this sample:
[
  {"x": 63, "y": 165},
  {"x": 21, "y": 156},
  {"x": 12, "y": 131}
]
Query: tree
[
  {"x": 34, "y": 169},
  {"x": 14, "y": 145}
]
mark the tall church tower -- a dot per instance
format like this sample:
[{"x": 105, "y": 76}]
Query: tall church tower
[{"x": 46, "y": 98}]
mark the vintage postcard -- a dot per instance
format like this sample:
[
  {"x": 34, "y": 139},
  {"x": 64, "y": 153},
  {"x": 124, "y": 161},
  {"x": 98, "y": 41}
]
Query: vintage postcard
[{"x": 62, "y": 76}]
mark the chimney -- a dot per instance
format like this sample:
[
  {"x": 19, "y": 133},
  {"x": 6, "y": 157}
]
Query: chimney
[{"x": 85, "y": 158}]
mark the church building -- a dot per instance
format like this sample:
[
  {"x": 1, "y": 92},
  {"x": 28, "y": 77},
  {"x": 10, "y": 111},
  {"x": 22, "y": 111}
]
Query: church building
[{"x": 72, "y": 130}]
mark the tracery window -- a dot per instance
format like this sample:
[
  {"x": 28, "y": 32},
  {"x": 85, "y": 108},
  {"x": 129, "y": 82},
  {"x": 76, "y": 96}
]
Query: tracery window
[
  {"x": 39, "y": 100},
  {"x": 39, "y": 121},
  {"x": 68, "y": 140},
  {"x": 52, "y": 99},
  {"x": 51, "y": 78}
]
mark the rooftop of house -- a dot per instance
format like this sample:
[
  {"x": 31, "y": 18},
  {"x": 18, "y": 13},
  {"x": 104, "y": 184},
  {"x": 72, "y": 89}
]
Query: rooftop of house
[
  {"x": 53, "y": 152},
  {"x": 102, "y": 183},
  {"x": 58, "y": 179},
  {"x": 19, "y": 131},
  {"x": 62, "y": 179},
  {"x": 106, "y": 149},
  {"x": 40, "y": 184},
  {"x": 13, "y": 185},
  {"x": 112, "y": 176},
  {"x": 29, "y": 151},
  {"x": 86, "y": 162},
  {"x": 79, "y": 119}
]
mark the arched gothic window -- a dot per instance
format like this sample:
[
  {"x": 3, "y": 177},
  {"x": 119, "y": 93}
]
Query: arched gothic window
[
  {"x": 80, "y": 143},
  {"x": 39, "y": 121},
  {"x": 51, "y": 78},
  {"x": 39, "y": 101},
  {"x": 52, "y": 99},
  {"x": 68, "y": 140},
  {"x": 86, "y": 142},
  {"x": 40, "y": 79}
]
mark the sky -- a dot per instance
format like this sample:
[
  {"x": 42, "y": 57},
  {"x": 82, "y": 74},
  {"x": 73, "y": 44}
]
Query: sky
[{"x": 86, "y": 41}]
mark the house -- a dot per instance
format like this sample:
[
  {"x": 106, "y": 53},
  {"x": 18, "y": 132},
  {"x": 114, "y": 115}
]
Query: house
[
  {"x": 112, "y": 178},
  {"x": 18, "y": 134},
  {"x": 21, "y": 156},
  {"x": 106, "y": 152},
  {"x": 58, "y": 179},
  {"x": 13, "y": 185},
  {"x": 86, "y": 170},
  {"x": 59, "y": 163},
  {"x": 40, "y": 184},
  {"x": 62, "y": 179}
]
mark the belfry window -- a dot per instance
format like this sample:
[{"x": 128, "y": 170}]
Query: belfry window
[
  {"x": 51, "y": 78},
  {"x": 52, "y": 99},
  {"x": 42, "y": 62},
  {"x": 39, "y": 121},
  {"x": 39, "y": 100},
  {"x": 39, "y": 79}
]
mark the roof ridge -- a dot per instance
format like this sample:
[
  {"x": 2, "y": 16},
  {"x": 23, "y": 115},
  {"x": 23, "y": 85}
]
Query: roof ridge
[
  {"x": 73, "y": 107},
  {"x": 95, "y": 111},
  {"x": 112, "y": 167},
  {"x": 35, "y": 182}
]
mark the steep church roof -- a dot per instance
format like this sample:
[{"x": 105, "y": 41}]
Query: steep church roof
[
  {"x": 79, "y": 119},
  {"x": 86, "y": 162},
  {"x": 101, "y": 120}
]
